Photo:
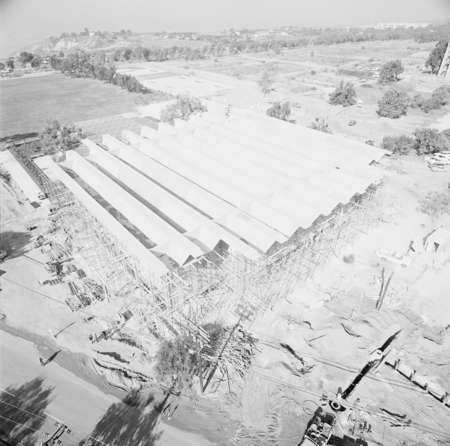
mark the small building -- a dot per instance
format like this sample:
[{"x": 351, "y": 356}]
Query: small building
[{"x": 436, "y": 240}]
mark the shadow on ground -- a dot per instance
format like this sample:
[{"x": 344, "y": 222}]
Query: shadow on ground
[
  {"x": 15, "y": 243},
  {"x": 23, "y": 414},
  {"x": 132, "y": 422},
  {"x": 19, "y": 136}
]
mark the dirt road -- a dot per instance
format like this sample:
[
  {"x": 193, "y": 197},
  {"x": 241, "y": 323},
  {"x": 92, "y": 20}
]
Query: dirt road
[{"x": 80, "y": 405}]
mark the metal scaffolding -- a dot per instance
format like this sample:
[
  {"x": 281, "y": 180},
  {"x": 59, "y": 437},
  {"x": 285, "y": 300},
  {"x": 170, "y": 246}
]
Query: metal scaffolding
[{"x": 220, "y": 282}]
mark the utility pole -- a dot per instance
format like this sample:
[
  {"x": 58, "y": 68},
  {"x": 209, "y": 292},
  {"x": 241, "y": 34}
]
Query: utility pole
[{"x": 54, "y": 439}]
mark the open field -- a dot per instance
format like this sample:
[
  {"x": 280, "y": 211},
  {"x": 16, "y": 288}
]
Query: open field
[{"x": 27, "y": 103}]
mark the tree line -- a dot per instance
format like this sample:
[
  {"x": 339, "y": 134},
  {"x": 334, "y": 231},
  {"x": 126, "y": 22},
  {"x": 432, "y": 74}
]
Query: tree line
[{"x": 85, "y": 65}]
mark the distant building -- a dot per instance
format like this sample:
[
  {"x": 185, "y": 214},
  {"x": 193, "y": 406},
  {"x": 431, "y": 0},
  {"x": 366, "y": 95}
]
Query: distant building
[
  {"x": 399, "y": 25},
  {"x": 444, "y": 69}
]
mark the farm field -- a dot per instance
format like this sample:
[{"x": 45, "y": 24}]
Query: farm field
[{"x": 27, "y": 103}]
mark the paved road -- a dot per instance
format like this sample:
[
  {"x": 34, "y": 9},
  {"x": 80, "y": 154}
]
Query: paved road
[{"x": 77, "y": 403}]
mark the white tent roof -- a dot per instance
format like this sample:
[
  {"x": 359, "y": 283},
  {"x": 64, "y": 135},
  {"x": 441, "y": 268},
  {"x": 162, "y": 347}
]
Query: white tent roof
[{"x": 147, "y": 258}]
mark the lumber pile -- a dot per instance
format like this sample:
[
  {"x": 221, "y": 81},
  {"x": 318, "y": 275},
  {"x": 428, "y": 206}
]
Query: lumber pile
[
  {"x": 230, "y": 351},
  {"x": 84, "y": 294}
]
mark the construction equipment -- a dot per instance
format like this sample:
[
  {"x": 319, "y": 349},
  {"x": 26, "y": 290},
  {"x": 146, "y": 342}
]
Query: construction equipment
[{"x": 319, "y": 429}]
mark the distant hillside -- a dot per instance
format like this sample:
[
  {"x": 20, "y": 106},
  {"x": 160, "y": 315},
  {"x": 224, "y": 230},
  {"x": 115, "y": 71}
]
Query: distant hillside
[
  {"x": 78, "y": 43},
  {"x": 233, "y": 40}
]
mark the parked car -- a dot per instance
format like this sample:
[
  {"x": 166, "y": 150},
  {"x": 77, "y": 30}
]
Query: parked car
[{"x": 393, "y": 256}]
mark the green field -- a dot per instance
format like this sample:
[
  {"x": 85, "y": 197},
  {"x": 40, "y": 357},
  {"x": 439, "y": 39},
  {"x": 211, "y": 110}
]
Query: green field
[{"x": 27, "y": 103}]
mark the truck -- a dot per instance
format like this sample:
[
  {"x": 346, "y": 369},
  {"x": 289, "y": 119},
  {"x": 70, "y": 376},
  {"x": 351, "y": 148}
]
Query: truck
[
  {"x": 319, "y": 429},
  {"x": 393, "y": 256}
]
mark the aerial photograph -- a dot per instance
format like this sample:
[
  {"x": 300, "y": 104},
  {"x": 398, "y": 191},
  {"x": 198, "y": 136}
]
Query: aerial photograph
[{"x": 225, "y": 223}]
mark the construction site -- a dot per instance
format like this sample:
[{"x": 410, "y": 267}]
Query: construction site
[
  {"x": 260, "y": 242},
  {"x": 177, "y": 231}
]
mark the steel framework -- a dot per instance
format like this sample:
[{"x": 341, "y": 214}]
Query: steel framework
[{"x": 221, "y": 282}]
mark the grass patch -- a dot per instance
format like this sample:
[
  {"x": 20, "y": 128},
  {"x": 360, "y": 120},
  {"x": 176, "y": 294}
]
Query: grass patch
[{"x": 27, "y": 103}]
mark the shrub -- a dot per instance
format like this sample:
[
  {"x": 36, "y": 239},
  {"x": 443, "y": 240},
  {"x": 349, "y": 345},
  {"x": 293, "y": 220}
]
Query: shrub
[
  {"x": 390, "y": 71},
  {"x": 441, "y": 95},
  {"x": 313, "y": 72},
  {"x": 279, "y": 111},
  {"x": 321, "y": 125},
  {"x": 184, "y": 107},
  {"x": 417, "y": 101},
  {"x": 343, "y": 95},
  {"x": 400, "y": 145},
  {"x": 393, "y": 104},
  {"x": 366, "y": 86},
  {"x": 429, "y": 141},
  {"x": 370, "y": 142},
  {"x": 428, "y": 105}
]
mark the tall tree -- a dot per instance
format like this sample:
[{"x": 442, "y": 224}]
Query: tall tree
[
  {"x": 57, "y": 137},
  {"x": 435, "y": 57},
  {"x": 36, "y": 62},
  {"x": 24, "y": 413},
  {"x": 10, "y": 64},
  {"x": 265, "y": 82},
  {"x": 25, "y": 57}
]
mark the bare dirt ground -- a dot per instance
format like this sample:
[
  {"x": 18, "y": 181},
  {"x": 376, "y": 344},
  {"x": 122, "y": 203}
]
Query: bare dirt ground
[{"x": 308, "y": 80}]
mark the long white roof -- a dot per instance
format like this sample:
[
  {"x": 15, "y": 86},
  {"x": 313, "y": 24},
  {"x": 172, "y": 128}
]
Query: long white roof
[
  {"x": 246, "y": 228},
  {"x": 247, "y": 182},
  {"x": 190, "y": 222},
  {"x": 167, "y": 240},
  {"x": 146, "y": 257}
]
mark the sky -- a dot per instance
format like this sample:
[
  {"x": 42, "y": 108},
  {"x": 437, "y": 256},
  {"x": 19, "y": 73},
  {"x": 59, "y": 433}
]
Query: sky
[{"x": 24, "y": 22}]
